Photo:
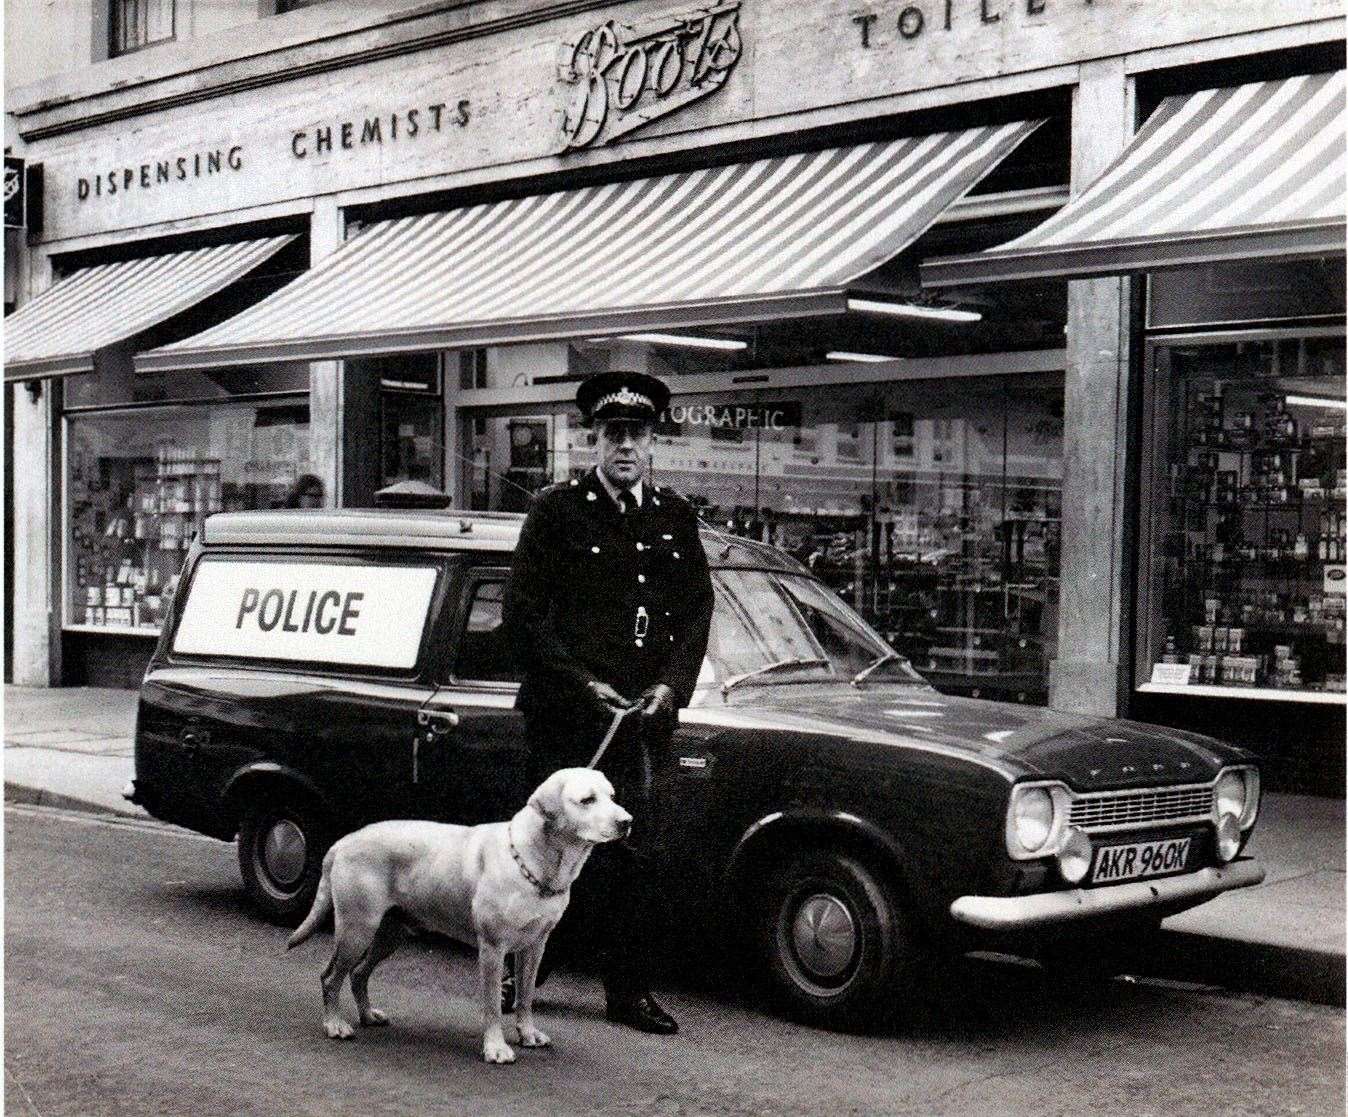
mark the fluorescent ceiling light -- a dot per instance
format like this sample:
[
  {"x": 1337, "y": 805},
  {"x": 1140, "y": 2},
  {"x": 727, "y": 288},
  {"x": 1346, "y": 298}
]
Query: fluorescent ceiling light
[
  {"x": 1318, "y": 401},
  {"x": 909, "y": 310},
  {"x": 686, "y": 340},
  {"x": 841, "y": 355}
]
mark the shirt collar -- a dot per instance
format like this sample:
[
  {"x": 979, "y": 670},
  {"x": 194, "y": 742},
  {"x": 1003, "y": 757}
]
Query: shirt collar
[{"x": 613, "y": 490}]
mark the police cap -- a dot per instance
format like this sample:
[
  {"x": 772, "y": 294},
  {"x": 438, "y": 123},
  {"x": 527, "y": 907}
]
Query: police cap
[{"x": 622, "y": 395}]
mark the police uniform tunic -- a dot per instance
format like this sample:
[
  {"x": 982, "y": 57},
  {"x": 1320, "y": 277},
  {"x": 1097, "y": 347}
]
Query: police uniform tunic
[
  {"x": 626, "y": 599},
  {"x": 598, "y": 594}
]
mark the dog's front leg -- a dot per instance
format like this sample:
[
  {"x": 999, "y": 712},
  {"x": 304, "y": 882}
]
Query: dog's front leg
[
  {"x": 527, "y": 963},
  {"x": 490, "y": 966}
]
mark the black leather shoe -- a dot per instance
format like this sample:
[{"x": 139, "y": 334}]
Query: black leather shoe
[{"x": 642, "y": 1013}]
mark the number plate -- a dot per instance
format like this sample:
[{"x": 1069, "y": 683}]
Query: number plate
[{"x": 1142, "y": 859}]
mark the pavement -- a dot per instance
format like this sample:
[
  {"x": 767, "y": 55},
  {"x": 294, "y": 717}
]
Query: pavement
[{"x": 72, "y": 747}]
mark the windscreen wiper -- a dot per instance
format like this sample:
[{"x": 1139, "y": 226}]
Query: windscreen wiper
[
  {"x": 861, "y": 676},
  {"x": 767, "y": 669}
]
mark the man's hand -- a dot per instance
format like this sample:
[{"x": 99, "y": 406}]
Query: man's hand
[
  {"x": 657, "y": 703},
  {"x": 605, "y": 697}
]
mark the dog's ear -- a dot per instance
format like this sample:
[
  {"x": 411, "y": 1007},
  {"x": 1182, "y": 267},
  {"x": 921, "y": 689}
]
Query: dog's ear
[{"x": 547, "y": 798}]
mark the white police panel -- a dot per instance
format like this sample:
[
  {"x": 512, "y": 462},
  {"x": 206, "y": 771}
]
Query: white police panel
[{"x": 371, "y": 616}]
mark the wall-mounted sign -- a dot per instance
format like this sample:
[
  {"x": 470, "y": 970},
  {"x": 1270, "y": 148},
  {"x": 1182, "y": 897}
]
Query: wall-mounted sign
[
  {"x": 626, "y": 76},
  {"x": 13, "y": 192},
  {"x": 499, "y": 104},
  {"x": 908, "y": 22},
  {"x": 401, "y": 124},
  {"x": 776, "y": 416},
  {"x": 369, "y": 616}
]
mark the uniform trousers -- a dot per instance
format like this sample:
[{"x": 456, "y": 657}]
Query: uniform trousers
[{"x": 613, "y": 898}]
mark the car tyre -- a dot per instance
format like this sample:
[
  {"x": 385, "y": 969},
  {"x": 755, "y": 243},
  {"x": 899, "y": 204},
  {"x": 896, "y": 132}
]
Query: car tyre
[
  {"x": 836, "y": 941},
  {"x": 282, "y": 841}
]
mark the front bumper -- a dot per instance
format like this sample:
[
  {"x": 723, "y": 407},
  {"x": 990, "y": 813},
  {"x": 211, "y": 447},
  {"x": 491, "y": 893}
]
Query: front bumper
[{"x": 1045, "y": 909}]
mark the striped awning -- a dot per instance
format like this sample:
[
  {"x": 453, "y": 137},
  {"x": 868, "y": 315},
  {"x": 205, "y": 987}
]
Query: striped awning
[
  {"x": 772, "y": 238},
  {"x": 1252, "y": 171},
  {"x": 58, "y": 332}
]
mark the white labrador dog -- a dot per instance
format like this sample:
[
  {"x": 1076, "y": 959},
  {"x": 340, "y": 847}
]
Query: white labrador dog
[{"x": 501, "y": 887}]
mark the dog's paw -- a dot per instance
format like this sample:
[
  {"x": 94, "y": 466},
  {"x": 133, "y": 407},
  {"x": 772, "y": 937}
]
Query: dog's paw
[
  {"x": 374, "y": 1018},
  {"x": 337, "y": 1028},
  {"x": 497, "y": 1051},
  {"x": 533, "y": 1037}
]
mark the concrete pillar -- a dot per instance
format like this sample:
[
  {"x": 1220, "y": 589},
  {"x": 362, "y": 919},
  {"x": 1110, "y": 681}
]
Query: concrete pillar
[
  {"x": 1089, "y": 674},
  {"x": 35, "y": 575},
  {"x": 36, "y": 562},
  {"x": 326, "y": 235}
]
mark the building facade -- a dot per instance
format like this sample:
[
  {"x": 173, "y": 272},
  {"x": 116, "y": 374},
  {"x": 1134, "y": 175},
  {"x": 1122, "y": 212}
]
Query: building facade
[{"x": 957, "y": 299}]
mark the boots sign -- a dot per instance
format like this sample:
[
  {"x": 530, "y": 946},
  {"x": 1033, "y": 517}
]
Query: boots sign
[{"x": 624, "y": 77}]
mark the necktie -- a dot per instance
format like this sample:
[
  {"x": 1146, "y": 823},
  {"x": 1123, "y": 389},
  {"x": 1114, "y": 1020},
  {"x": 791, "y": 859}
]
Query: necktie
[{"x": 627, "y": 500}]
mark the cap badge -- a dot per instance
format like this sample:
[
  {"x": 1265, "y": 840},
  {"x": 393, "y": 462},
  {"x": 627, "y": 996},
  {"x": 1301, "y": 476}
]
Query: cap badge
[{"x": 625, "y": 398}]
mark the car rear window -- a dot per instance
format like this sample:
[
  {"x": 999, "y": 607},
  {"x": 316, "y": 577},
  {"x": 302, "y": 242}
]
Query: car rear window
[{"x": 367, "y": 615}]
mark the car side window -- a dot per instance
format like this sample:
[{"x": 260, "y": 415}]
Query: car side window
[{"x": 482, "y": 653}]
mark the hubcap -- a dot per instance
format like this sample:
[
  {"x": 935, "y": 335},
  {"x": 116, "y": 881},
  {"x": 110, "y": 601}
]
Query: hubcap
[
  {"x": 283, "y": 853},
  {"x": 824, "y": 935}
]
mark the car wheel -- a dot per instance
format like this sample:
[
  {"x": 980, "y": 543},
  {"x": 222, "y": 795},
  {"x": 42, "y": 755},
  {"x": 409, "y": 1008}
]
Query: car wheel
[
  {"x": 836, "y": 942},
  {"x": 281, "y": 846}
]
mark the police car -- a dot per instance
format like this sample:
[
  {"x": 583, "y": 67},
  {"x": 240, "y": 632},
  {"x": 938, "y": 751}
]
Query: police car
[{"x": 320, "y": 670}]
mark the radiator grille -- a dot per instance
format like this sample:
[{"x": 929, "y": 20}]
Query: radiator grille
[{"x": 1134, "y": 808}]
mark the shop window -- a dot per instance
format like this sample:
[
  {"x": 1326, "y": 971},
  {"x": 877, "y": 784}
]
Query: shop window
[
  {"x": 139, "y": 483},
  {"x": 931, "y": 506},
  {"x": 137, "y": 24},
  {"x": 1249, "y": 537},
  {"x": 411, "y": 420}
]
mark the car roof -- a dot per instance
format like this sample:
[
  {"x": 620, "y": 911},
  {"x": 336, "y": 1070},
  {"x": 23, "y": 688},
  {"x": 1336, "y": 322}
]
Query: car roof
[{"x": 440, "y": 530}]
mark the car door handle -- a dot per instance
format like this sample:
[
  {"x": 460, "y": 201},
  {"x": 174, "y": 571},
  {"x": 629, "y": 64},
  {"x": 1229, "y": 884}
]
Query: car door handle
[{"x": 437, "y": 722}]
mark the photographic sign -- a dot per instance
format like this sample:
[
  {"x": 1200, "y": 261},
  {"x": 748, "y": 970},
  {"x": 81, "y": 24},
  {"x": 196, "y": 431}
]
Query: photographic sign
[
  {"x": 367, "y": 616},
  {"x": 14, "y": 192},
  {"x": 776, "y": 415}
]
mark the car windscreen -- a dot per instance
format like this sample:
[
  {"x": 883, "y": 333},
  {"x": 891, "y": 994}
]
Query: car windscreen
[{"x": 779, "y": 627}]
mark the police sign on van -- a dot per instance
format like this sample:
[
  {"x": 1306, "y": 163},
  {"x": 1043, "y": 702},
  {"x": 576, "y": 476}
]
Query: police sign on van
[{"x": 311, "y": 612}]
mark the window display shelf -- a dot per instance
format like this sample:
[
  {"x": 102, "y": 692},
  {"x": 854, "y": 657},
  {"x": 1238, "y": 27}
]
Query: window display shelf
[
  {"x": 1250, "y": 541},
  {"x": 1265, "y": 694},
  {"x": 116, "y": 629}
]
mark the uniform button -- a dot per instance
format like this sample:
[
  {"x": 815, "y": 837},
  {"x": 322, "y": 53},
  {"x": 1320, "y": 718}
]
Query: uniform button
[
  {"x": 638, "y": 642},
  {"x": 666, "y": 538},
  {"x": 588, "y": 496},
  {"x": 575, "y": 482},
  {"x": 676, "y": 554},
  {"x": 641, "y": 578},
  {"x": 641, "y": 546},
  {"x": 595, "y": 550}
]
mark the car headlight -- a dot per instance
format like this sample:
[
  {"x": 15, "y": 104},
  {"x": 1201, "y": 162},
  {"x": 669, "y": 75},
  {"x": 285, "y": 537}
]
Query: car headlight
[
  {"x": 1237, "y": 794},
  {"x": 1031, "y": 822},
  {"x": 1074, "y": 856},
  {"x": 1228, "y": 837}
]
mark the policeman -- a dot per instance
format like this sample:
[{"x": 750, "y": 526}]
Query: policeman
[{"x": 608, "y": 608}]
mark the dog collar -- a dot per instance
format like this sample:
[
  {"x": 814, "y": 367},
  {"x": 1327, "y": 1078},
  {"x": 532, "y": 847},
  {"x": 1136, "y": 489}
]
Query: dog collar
[{"x": 543, "y": 890}]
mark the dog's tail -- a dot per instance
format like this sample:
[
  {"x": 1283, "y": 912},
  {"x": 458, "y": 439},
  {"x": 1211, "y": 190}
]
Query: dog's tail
[{"x": 322, "y": 906}]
